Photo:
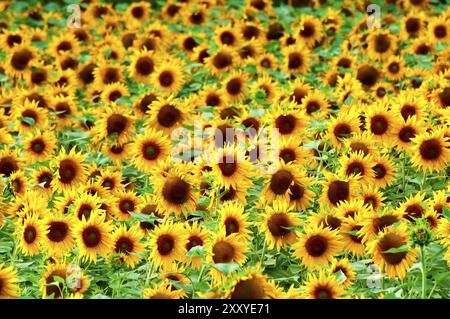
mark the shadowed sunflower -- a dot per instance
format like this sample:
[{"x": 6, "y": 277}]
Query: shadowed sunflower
[
  {"x": 277, "y": 223},
  {"x": 70, "y": 170},
  {"x": 252, "y": 284},
  {"x": 317, "y": 246},
  {"x": 93, "y": 236},
  {"x": 150, "y": 148},
  {"x": 430, "y": 151},
  {"x": 8, "y": 282},
  {"x": 127, "y": 244},
  {"x": 168, "y": 243},
  {"x": 322, "y": 286},
  {"x": 394, "y": 264},
  {"x": 10, "y": 162}
]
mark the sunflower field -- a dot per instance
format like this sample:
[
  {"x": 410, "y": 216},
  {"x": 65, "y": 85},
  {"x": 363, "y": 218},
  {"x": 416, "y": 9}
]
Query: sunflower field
[{"x": 242, "y": 149}]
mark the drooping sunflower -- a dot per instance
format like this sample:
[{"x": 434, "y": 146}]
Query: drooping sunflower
[
  {"x": 127, "y": 242},
  {"x": 70, "y": 170},
  {"x": 8, "y": 282},
  {"x": 394, "y": 264},
  {"x": 277, "y": 223},
  {"x": 317, "y": 246},
  {"x": 168, "y": 242},
  {"x": 430, "y": 151},
  {"x": 150, "y": 148},
  {"x": 322, "y": 286}
]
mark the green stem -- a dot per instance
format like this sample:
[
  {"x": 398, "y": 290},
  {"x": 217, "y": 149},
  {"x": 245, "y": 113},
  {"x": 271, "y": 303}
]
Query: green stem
[
  {"x": 201, "y": 273},
  {"x": 403, "y": 171},
  {"x": 423, "y": 180},
  {"x": 263, "y": 253},
  {"x": 149, "y": 272},
  {"x": 424, "y": 271}
]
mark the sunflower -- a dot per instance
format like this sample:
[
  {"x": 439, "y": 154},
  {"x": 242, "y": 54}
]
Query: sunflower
[
  {"x": 352, "y": 240},
  {"x": 114, "y": 125},
  {"x": 70, "y": 170},
  {"x": 343, "y": 127},
  {"x": 233, "y": 220},
  {"x": 114, "y": 91},
  {"x": 31, "y": 233},
  {"x": 107, "y": 73},
  {"x": 8, "y": 282},
  {"x": 406, "y": 131},
  {"x": 42, "y": 179},
  {"x": 65, "y": 43},
  {"x": 226, "y": 249},
  {"x": 175, "y": 190},
  {"x": 18, "y": 183},
  {"x": 50, "y": 286},
  {"x": 117, "y": 152},
  {"x": 359, "y": 165},
  {"x": 322, "y": 286},
  {"x": 29, "y": 117},
  {"x": 380, "y": 123},
  {"x": 124, "y": 203},
  {"x": 162, "y": 291},
  {"x": 384, "y": 171},
  {"x": 409, "y": 103},
  {"x": 149, "y": 148},
  {"x": 277, "y": 223},
  {"x": 413, "y": 24},
  {"x": 394, "y": 68},
  {"x": 142, "y": 65},
  {"x": 296, "y": 59},
  {"x": 324, "y": 219},
  {"x": 309, "y": 31},
  {"x": 168, "y": 242},
  {"x": 372, "y": 197},
  {"x": 169, "y": 76},
  {"x": 394, "y": 264},
  {"x": 413, "y": 207},
  {"x": 422, "y": 46},
  {"x": 430, "y": 151},
  {"x": 166, "y": 114},
  {"x": 65, "y": 110},
  {"x": 19, "y": 61},
  {"x": 40, "y": 146},
  {"x": 266, "y": 61},
  {"x": 10, "y": 162},
  {"x": 315, "y": 105},
  {"x": 344, "y": 266},
  {"x": 222, "y": 60},
  {"x": 439, "y": 29},
  {"x": 94, "y": 236},
  {"x": 138, "y": 12},
  {"x": 86, "y": 205},
  {"x": 381, "y": 44},
  {"x": 197, "y": 235},
  {"x": 367, "y": 74},
  {"x": 251, "y": 284},
  {"x": 110, "y": 180},
  {"x": 235, "y": 87},
  {"x": 338, "y": 189},
  {"x": 58, "y": 235},
  {"x": 317, "y": 245},
  {"x": 287, "y": 120},
  {"x": 127, "y": 244},
  {"x": 376, "y": 221}
]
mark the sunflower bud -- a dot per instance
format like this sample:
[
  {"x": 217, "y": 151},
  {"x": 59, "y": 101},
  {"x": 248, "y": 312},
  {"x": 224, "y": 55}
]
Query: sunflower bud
[{"x": 420, "y": 233}]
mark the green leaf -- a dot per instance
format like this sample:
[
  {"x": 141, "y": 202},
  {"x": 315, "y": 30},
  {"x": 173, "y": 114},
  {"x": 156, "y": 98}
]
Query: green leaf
[
  {"x": 226, "y": 268},
  {"x": 196, "y": 251},
  {"x": 400, "y": 249},
  {"x": 29, "y": 120}
]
